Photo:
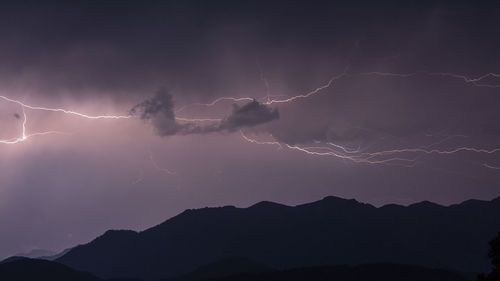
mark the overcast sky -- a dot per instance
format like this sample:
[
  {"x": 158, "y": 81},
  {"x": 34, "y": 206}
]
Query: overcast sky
[{"x": 386, "y": 103}]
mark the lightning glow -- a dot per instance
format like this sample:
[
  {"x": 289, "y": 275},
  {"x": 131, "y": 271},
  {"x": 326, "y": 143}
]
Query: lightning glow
[
  {"x": 268, "y": 101},
  {"x": 65, "y": 110},
  {"x": 394, "y": 156},
  {"x": 25, "y": 136},
  {"x": 317, "y": 151}
]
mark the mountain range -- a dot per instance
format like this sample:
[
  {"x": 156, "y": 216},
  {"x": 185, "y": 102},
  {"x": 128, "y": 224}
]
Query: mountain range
[
  {"x": 331, "y": 231},
  {"x": 238, "y": 269}
]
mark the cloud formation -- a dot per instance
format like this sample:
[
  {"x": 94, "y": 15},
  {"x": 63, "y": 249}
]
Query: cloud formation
[
  {"x": 159, "y": 109},
  {"x": 249, "y": 115}
]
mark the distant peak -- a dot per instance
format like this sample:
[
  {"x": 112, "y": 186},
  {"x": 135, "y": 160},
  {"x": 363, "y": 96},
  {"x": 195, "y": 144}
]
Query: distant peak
[
  {"x": 267, "y": 204},
  {"x": 425, "y": 203},
  {"x": 474, "y": 201},
  {"x": 392, "y": 206},
  {"x": 335, "y": 202},
  {"x": 331, "y": 198},
  {"x": 115, "y": 234}
]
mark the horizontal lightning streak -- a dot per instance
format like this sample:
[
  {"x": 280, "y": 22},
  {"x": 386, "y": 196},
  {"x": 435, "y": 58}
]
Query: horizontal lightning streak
[
  {"x": 65, "y": 111},
  {"x": 435, "y": 151},
  {"x": 214, "y": 102},
  {"x": 491, "y": 167},
  {"x": 468, "y": 80},
  {"x": 330, "y": 149},
  {"x": 474, "y": 81},
  {"x": 330, "y": 152},
  {"x": 269, "y": 101},
  {"x": 25, "y": 136},
  {"x": 198, "y": 119},
  {"x": 378, "y": 157}
]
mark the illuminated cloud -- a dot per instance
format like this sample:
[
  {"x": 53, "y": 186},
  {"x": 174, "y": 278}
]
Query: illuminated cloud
[{"x": 159, "y": 110}]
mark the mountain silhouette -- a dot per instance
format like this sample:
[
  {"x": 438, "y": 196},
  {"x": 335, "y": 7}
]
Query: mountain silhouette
[
  {"x": 238, "y": 269},
  {"x": 26, "y": 269},
  {"x": 223, "y": 268},
  {"x": 329, "y": 231},
  {"x": 54, "y": 256},
  {"x": 36, "y": 253},
  {"x": 369, "y": 272}
]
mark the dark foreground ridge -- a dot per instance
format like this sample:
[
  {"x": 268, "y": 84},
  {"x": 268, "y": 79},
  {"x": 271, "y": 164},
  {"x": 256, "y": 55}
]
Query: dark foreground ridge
[
  {"x": 25, "y": 269},
  {"x": 43, "y": 270},
  {"x": 369, "y": 272},
  {"x": 329, "y": 231}
]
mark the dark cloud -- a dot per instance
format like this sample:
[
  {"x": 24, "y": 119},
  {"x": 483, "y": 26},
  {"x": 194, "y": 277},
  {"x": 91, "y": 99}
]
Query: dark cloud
[
  {"x": 160, "y": 111},
  {"x": 207, "y": 49},
  {"x": 249, "y": 115}
]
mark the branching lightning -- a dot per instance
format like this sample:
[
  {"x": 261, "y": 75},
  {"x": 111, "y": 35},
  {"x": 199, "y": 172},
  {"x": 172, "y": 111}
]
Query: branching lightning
[
  {"x": 326, "y": 151},
  {"x": 393, "y": 156},
  {"x": 156, "y": 166},
  {"x": 474, "y": 81},
  {"x": 24, "y": 106},
  {"x": 403, "y": 156},
  {"x": 25, "y": 136},
  {"x": 268, "y": 101},
  {"x": 66, "y": 111}
]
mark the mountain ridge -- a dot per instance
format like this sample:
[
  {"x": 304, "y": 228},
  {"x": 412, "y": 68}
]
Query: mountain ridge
[{"x": 328, "y": 231}]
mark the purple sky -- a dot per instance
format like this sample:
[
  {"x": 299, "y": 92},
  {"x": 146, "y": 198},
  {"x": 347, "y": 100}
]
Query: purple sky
[{"x": 407, "y": 109}]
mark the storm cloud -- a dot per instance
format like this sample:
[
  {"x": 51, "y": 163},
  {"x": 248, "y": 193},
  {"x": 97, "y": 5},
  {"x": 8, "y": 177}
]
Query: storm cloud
[{"x": 159, "y": 110}]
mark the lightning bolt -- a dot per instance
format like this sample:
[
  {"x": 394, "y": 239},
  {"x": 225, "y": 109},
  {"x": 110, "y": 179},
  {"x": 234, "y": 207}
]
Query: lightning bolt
[
  {"x": 156, "y": 166},
  {"x": 198, "y": 119},
  {"x": 24, "y": 106},
  {"x": 392, "y": 156},
  {"x": 377, "y": 157},
  {"x": 268, "y": 101},
  {"x": 325, "y": 151},
  {"x": 65, "y": 110},
  {"x": 491, "y": 167},
  {"x": 266, "y": 83},
  {"x": 355, "y": 155},
  {"x": 25, "y": 136},
  {"x": 474, "y": 81}
]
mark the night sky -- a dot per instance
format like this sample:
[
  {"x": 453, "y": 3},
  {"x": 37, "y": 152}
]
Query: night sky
[{"x": 235, "y": 102}]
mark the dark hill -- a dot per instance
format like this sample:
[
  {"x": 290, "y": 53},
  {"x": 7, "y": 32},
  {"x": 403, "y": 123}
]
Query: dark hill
[
  {"x": 371, "y": 272},
  {"x": 329, "y": 231},
  {"x": 26, "y": 269},
  {"x": 239, "y": 269},
  {"x": 223, "y": 268}
]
